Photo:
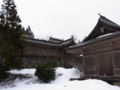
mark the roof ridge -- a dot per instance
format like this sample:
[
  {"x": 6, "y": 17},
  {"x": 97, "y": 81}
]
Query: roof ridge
[
  {"x": 42, "y": 40},
  {"x": 47, "y": 41},
  {"x": 104, "y": 18},
  {"x": 102, "y": 22},
  {"x": 57, "y": 39}
]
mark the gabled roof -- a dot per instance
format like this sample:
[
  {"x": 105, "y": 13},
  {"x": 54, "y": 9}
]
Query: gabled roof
[
  {"x": 43, "y": 42},
  {"x": 103, "y": 26},
  {"x": 68, "y": 42},
  {"x": 111, "y": 30}
]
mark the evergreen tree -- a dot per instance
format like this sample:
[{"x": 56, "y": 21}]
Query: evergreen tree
[
  {"x": 45, "y": 72},
  {"x": 9, "y": 14},
  {"x": 5, "y": 49},
  {"x": 11, "y": 34}
]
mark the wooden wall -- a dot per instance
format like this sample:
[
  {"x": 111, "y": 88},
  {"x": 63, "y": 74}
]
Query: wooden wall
[
  {"x": 102, "y": 59},
  {"x": 34, "y": 54},
  {"x": 32, "y": 49},
  {"x": 38, "y": 51}
]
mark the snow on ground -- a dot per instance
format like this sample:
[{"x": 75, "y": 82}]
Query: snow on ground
[
  {"x": 63, "y": 75},
  {"x": 60, "y": 83},
  {"x": 23, "y": 71}
]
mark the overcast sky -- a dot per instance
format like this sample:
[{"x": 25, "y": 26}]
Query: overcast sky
[{"x": 63, "y": 18}]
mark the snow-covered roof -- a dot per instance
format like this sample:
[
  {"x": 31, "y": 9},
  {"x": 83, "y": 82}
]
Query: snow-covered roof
[{"x": 105, "y": 37}]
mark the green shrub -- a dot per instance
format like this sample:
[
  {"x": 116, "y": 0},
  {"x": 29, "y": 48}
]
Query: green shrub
[
  {"x": 3, "y": 73},
  {"x": 45, "y": 73}
]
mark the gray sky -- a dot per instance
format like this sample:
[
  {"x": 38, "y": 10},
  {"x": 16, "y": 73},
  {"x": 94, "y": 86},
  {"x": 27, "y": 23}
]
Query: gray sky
[{"x": 63, "y": 18}]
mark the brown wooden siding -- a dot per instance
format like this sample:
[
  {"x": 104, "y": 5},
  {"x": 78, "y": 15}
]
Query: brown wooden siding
[
  {"x": 117, "y": 63},
  {"x": 35, "y": 51},
  {"x": 89, "y": 67},
  {"x": 88, "y": 51},
  {"x": 100, "y": 65},
  {"x": 104, "y": 49}
]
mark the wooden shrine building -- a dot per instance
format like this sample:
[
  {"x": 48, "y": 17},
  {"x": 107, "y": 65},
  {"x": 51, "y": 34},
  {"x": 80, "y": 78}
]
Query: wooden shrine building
[
  {"x": 38, "y": 51},
  {"x": 100, "y": 50},
  {"x": 98, "y": 55}
]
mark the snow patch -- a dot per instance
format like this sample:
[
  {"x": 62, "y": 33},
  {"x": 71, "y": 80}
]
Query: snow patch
[
  {"x": 60, "y": 83},
  {"x": 104, "y": 35},
  {"x": 64, "y": 75},
  {"x": 23, "y": 71}
]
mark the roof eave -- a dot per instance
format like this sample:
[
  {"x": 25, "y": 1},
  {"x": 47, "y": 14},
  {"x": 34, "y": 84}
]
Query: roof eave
[{"x": 93, "y": 31}]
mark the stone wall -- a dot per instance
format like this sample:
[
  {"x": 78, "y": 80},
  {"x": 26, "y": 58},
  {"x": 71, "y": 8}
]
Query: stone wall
[{"x": 31, "y": 62}]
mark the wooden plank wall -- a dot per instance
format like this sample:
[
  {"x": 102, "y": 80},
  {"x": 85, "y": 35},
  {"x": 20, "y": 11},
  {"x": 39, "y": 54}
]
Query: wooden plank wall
[
  {"x": 102, "y": 59},
  {"x": 89, "y": 66},
  {"x": 117, "y": 63},
  {"x": 38, "y": 51}
]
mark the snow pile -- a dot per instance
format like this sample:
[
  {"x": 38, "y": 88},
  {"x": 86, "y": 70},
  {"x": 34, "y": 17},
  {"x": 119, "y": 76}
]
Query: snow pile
[
  {"x": 61, "y": 83},
  {"x": 64, "y": 75}
]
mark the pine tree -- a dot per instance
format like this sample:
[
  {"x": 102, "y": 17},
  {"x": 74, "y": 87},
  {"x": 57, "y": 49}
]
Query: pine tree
[
  {"x": 11, "y": 31},
  {"x": 9, "y": 14},
  {"x": 5, "y": 48},
  {"x": 45, "y": 72}
]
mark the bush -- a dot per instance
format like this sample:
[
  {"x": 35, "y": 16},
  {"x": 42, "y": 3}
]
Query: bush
[
  {"x": 3, "y": 73},
  {"x": 45, "y": 73}
]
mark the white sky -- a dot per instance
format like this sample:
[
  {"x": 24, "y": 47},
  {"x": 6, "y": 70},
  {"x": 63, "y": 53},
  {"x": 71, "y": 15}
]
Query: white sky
[{"x": 63, "y": 18}]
